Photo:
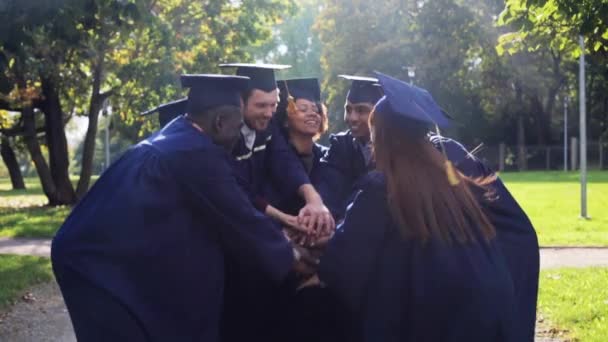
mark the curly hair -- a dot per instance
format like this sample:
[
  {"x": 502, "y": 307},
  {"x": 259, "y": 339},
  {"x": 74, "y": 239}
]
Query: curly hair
[{"x": 283, "y": 112}]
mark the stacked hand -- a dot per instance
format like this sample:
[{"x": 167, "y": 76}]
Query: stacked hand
[{"x": 316, "y": 218}]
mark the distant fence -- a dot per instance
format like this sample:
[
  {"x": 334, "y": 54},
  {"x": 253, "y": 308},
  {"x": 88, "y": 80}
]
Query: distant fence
[{"x": 550, "y": 157}]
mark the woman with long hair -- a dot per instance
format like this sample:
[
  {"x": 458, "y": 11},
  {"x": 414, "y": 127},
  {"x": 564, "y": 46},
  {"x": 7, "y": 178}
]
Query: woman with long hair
[{"x": 415, "y": 258}]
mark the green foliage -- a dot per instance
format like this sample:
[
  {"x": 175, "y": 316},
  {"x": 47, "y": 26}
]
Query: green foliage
[
  {"x": 445, "y": 40},
  {"x": 576, "y": 300},
  {"x": 552, "y": 202},
  {"x": 556, "y": 22},
  {"x": 293, "y": 42},
  {"x": 18, "y": 273}
]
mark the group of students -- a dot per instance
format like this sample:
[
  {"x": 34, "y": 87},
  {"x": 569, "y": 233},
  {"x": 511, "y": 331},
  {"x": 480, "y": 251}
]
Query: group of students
[{"x": 221, "y": 226}]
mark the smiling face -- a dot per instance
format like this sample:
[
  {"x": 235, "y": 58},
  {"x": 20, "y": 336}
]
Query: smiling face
[
  {"x": 306, "y": 119},
  {"x": 356, "y": 116},
  {"x": 259, "y": 108}
]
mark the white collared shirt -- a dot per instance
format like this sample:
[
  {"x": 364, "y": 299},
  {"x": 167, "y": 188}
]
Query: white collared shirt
[{"x": 248, "y": 135}]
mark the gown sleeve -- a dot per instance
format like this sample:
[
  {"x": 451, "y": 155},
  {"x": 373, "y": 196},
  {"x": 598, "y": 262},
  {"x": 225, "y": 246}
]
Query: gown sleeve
[
  {"x": 350, "y": 256},
  {"x": 286, "y": 170},
  {"x": 246, "y": 234},
  {"x": 335, "y": 182}
]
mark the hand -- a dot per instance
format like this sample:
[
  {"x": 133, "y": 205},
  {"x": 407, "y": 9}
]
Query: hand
[
  {"x": 291, "y": 222},
  {"x": 312, "y": 281},
  {"x": 322, "y": 241},
  {"x": 301, "y": 239},
  {"x": 316, "y": 217},
  {"x": 306, "y": 264}
]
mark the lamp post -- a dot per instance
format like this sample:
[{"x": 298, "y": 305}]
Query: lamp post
[
  {"x": 411, "y": 73},
  {"x": 566, "y": 99},
  {"x": 583, "y": 129}
]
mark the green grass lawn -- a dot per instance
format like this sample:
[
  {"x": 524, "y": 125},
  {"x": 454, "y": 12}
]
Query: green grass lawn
[
  {"x": 552, "y": 201},
  {"x": 17, "y": 273},
  {"x": 576, "y": 300},
  {"x": 23, "y": 213}
]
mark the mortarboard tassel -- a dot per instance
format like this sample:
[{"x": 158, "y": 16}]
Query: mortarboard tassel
[
  {"x": 449, "y": 167},
  {"x": 291, "y": 103},
  {"x": 451, "y": 173}
]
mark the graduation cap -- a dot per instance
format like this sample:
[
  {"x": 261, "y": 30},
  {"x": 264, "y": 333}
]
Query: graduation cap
[
  {"x": 168, "y": 111},
  {"x": 261, "y": 75},
  {"x": 210, "y": 90},
  {"x": 363, "y": 89},
  {"x": 410, "y": 102},
  {"x": 416, "y": 104},
  {"x": 301, "y": 88}
]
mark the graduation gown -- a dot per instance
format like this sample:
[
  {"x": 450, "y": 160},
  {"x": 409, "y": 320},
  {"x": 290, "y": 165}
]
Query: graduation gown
[
  {"x": 514, "y": 234},
  {"x": 258, "y": 309},
  {"x": 141, "y": 257},
  {"x": 344, "y": 164},
  {"x": 292, "y": 203},
  {"x": 270, "y": 159},
  {"x": 251, "y": 302},
  {"x": 402, "y": 290}
]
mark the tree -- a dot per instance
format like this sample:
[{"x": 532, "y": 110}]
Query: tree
[
  {"x": 126, "y": 51},
  {"x": 360, "y": 37},
  {"x": 294, "y": 43},
  {"x": 554, "y": 26}
]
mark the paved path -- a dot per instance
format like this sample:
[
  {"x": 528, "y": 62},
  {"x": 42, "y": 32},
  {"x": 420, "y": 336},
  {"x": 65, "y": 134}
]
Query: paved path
[
  {"x": 37, "y": 247},
  {"x": 573, "y": 257},
  {"x": 549, "y": 257},
  {"x": 39, "y": 316},
  {"x": 46, "y": 319}
]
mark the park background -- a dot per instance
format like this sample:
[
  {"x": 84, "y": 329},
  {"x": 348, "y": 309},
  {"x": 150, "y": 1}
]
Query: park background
[{"x": 75, "y": 74}]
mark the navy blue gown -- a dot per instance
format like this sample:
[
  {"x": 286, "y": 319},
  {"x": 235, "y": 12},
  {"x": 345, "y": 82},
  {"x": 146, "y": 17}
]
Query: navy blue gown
[
  {"x": 344, "y": 164},
  {"x": 514, "y": 234},
  {"x": 251, "y": 299},
  {"x": 403, "y": 290},
  {"x": 141, "y": 257},
  {"x": 271, "y": 159},
  {"x": 312, "y": 313},
  {"x": 291, "y": 203}
]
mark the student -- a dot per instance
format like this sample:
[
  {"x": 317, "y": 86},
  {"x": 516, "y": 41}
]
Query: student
[
  {"x": 262, "y": 154},
  {"x": 349, "y": 155},
  {"x": 515, "y": 234},
  {"x": 141, "y": 257},
  {"x": 416, "y": 258},
  {"x": 301, "y": 124}
]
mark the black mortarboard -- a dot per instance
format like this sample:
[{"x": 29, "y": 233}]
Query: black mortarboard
[
  {"x": 169, "y": 111},
  {"x": 301, "y": 88},
  {"x": 208, "y": 91},
  {"x": 363, "y": 89},
  {"x": 409, "y": 102},
  {"x": 261, "y": 75}
]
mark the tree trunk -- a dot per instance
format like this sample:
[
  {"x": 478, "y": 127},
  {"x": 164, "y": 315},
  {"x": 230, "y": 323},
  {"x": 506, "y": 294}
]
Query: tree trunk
[
  {"x": 522, "y": 163},
  {"x": 539, "y": 120},
  {"x": 88, "y": 151},
  {"x": 31, "y": 142},
  {"x": 522, "y": 160},
  {"x": 57, "y": 143},
  {"x": 10, "y": 160}
]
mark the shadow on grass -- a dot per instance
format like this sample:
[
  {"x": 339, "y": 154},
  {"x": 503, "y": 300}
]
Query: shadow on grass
[
  {"x": 17, "y": 273},
  {"x": 32, "y": 222}
]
